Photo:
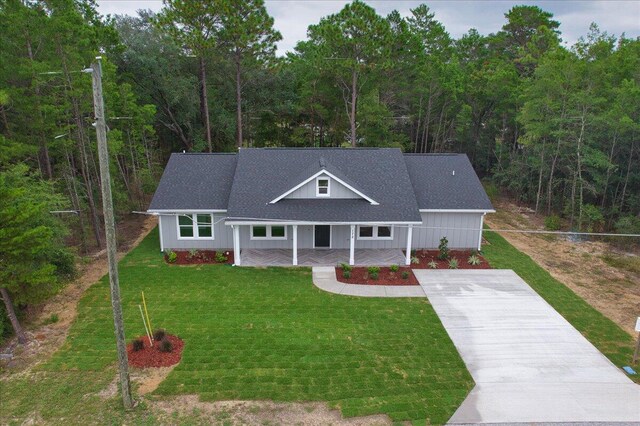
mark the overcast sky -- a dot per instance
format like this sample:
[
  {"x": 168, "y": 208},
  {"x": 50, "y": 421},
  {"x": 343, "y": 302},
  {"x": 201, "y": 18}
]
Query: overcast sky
[{"x": 292, "y": 17}]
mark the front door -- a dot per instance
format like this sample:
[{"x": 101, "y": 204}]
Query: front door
[{"x": 322, "y": 234}]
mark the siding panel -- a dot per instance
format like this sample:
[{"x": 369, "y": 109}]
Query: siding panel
[
  {"x": 222, "y": 234},
  {"x": 461, "y": 229}
]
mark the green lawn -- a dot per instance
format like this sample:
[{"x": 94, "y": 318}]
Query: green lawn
[
  {"x": 253, "y": 334},
  {"x": 605, "y": 335}
]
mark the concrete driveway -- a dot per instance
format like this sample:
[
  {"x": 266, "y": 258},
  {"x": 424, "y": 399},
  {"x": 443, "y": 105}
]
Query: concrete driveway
[{"x": 528, "y": 362}]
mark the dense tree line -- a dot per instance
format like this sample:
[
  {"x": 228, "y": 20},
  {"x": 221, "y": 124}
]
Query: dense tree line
[{"x": 558, "y": 127}]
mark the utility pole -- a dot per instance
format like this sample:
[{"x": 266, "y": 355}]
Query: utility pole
[{"x": 110, "y": 231}]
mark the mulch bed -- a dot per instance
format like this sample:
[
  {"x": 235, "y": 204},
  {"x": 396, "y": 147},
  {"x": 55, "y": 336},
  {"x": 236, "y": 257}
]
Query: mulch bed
[
  {"x": 200, "y": 257},
  {"x": 360, "y": 275},
  {"x": 426, "y": 256},
  {"x": 152, "y": 357}
]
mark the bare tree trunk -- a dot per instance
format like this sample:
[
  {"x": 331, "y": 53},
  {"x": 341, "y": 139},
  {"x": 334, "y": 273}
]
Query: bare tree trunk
[
  {"x": 626, "y": 180},
  {"x": 11, "y": 313},
  {"x": 44, "y": 159},
  {"x": 354, "y": 98},
  {"x": 579, "y": 164},
  {"x": 239, "y": 101},
  {"x": 609, "y": 168},
  {"x": 417, "y": 130},
  {"x": 541, "y": 172},
  {"x": 204, "y": 103}
]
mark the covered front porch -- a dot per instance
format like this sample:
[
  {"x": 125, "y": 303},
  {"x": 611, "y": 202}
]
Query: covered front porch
[{"x": 324, "y": 257}]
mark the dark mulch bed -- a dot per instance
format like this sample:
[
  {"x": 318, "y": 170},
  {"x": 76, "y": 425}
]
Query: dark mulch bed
[
  {"x": 360, "y": 275},
  {"x": 200, "y": 257},
  {"x": 426, "y": 256},
  {"x": 152, "y": 357}
]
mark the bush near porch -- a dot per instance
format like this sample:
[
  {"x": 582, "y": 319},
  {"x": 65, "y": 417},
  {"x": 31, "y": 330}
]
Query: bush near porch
[{"x": 252, "y": 334}]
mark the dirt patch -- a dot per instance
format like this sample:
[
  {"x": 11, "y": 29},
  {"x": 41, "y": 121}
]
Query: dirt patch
[
  {"x": 154, "y": 356},
  {"x": 360, "y": 275},
  {"x": 148, "y": 379},
  {"x": 199, "y": 257},
  {"x": 579, "y": 265},
  {"x": 48, "y": 337},
  {"x": 426, "y": 257},
  {"x": 261, "y": 412}
]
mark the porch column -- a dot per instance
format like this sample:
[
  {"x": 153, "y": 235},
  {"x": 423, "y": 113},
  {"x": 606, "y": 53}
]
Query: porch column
[
  {"x": 236, "y": 245},
  {"x": 480, "y": 232},
  {"x": 409, "y": 236},
  {"x": 295, "y": 245},
  {"x": 352, "y": 245},
  {"x": 160, "y": 229}
]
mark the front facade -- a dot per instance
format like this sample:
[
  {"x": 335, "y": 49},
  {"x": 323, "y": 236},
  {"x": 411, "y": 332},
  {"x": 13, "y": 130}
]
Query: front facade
[{"x": 319, "y": 199}]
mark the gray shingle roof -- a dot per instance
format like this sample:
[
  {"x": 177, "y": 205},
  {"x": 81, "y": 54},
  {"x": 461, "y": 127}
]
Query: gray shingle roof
[
  {"x": 264, "y": 174},
  {"x": 437, "y": 187},
  {"x": 195, "y": 181},
  {"x": 245, "y": 183}
]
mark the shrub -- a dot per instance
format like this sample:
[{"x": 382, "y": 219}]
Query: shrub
[
  {"x": 220, "y": 257},
  {"x": 346, "y": 274},
  {"x": 159, "y": 334},
  {"x": 415, "y": 261},
  {"x": 552, "y": 223},
  {"x": 433, "y": 265},
  {"x": 592, "y": 218},
  {"x": 193, "y": 253},
  {"x": 65, "y": 263},
  {"x": 443, "y": 249},
  {"x": 165, "y": 345},
  {"x": 474, "y": 260},
  {"x": 172, "y": 256},
  {"x": 453, "y": 263},
  {"x": 138, "y": 345},
  {"x": 52, "y": 319},
  {"x": 374, "y": 272},
  {"x": 405, "y": 275},
  {"x": 394, "y": 268},
  {"x": 346, "y": 267}
]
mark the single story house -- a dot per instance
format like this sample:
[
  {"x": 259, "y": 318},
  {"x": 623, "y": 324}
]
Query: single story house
[{"x": 318, "y": 199}]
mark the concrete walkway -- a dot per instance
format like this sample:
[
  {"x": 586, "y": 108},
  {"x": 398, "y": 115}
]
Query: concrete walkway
[
  {"x": 324, "y": 277},
  {"x": 529, "y": 364}
]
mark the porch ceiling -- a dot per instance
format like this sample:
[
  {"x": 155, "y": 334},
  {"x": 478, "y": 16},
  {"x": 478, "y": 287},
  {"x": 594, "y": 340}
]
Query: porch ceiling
[{"x": 321, "y": 257}]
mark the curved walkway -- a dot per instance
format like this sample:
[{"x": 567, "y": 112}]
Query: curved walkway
[{"x": 324, "y": 277}]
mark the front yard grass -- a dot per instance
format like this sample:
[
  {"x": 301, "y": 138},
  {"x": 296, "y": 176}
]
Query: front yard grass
[
  {"x": 602, "y": 332},
  {"x": 252, "y": 334}
]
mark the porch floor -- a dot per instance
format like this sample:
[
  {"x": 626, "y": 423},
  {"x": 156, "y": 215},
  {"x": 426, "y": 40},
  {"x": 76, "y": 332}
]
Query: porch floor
[{"x": 321, "y": 257}]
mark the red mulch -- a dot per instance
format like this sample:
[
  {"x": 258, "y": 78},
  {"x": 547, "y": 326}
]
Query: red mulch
[
  {"x": 152, "y": 357},
  {"x": 360, "y": 275},
  {"x": 201, "y": 257},
  {"x": 426, "y": 256}
]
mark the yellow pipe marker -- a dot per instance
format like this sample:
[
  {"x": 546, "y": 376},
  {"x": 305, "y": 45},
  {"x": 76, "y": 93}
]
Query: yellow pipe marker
[{"x": 146, "y": 313}]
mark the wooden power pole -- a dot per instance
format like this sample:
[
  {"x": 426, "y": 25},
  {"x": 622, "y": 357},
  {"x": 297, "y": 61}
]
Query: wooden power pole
[{"x": 110, "y": 231}]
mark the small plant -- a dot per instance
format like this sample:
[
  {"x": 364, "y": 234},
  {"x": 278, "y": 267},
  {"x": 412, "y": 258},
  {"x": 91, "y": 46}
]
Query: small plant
[
  {"x": 405, "y": 275},
  {"x": 346, "y": 267},
  {"x": 453, "y": 263},
  {"x": 413, "y": 252},
  {"x": 137, "y": 345},
  {"x": 433, "y": 265},
  {"x": 166, "y": 345},
  {"x": 415, "y": 261},
  {"x": 220, "y": 257},
  {"x": 374, "y": 272},
  {"x": 474, "y": 260},
  {"x": 51, "y": 320},
  {"x": 346, "y": 274},
  {"x": 159, "y": 334},
  {"x": 394, "y": 268},
  {"x": 552, "y": 223},
  {"x": 172, "y": 256},
  {"x": 193, "y": 253},
  {"x": 443, "y": 249}
]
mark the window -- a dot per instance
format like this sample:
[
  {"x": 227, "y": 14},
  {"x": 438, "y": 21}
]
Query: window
[
  {"x": 195, "y": 226},
  {"x": 322, "y": 187},
  {"x": 268, "y": 232},
  {"x": 375, "y": 232}
]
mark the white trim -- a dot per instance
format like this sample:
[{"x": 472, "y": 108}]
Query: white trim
[
  {"x": 480, "y": 233},
  {"x": 330, "y": 236},
  {"x": 318, "y": 194},
  {"x": 268, "y": 231},
  {"x": 375, "y": 233},
  {"x": 297, "y": 222},
  {"x": 300, "y": 185},
  {"x": 186, "y": 211},
  {"x": 352, "y": 245},
  {"x": 160, "y": 229},
  {"x": 456, "y": 211},
  {"x": 194, "y": 224},
  {"x": 295, "y": 245},
  {"x": 236, "y": 245},
  {"x": 407, "y": 260}
]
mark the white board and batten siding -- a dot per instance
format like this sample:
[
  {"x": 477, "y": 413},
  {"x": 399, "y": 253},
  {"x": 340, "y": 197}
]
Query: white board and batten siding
[{"x": 463, "y": 230}]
